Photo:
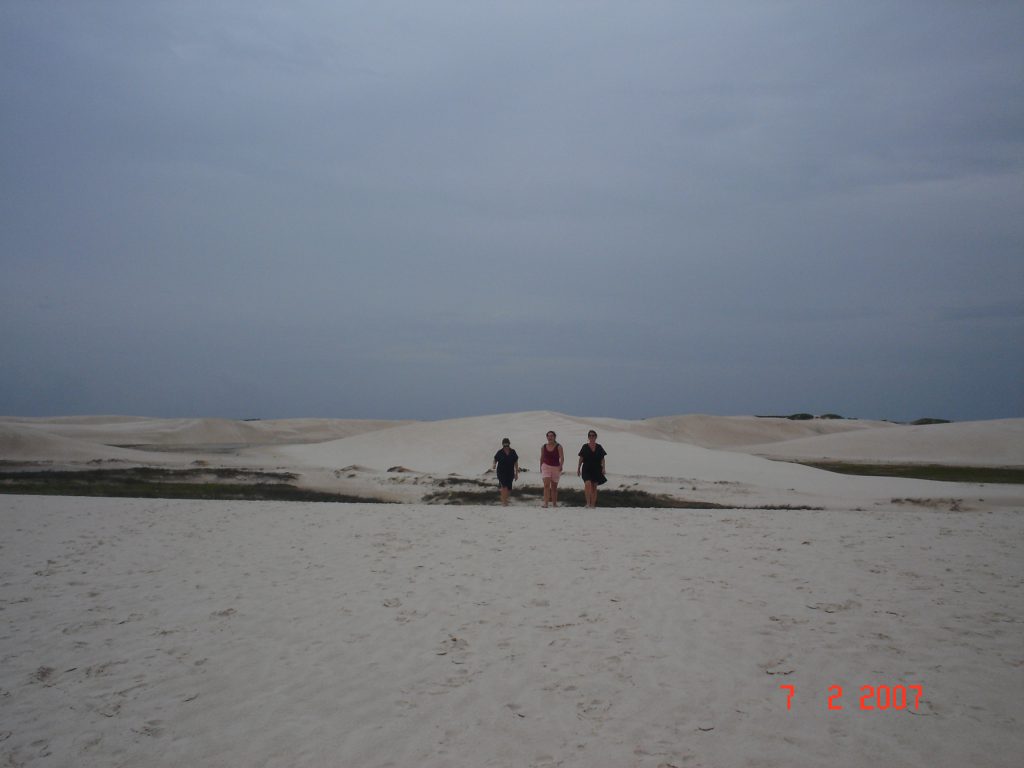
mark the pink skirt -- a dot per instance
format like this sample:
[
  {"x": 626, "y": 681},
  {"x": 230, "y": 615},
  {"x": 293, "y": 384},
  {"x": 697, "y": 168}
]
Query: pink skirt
[{"x": 550, "y": 472}]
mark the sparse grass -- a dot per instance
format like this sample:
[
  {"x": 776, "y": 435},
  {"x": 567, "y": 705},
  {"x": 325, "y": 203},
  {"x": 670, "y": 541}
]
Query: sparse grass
[
  {"x": 461, "y": 496},
  {"x": 464, "y": 481},
  {"x": 954, "y": 505},
  {"x": 241, "y": 484},
  {"x": 155, "y": 483},
  {"x": 570, "y": 497},
  {"x": 944, "y": 472},
  {"x": 634, "y": 498}
]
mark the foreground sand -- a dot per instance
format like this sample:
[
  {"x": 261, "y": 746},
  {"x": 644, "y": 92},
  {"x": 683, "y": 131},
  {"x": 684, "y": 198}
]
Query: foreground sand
[{"x": 171, "y": 633}]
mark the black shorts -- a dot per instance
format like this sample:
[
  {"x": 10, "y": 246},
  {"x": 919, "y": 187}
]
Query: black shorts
[
  {"x": 592, "y": 476},
  {"x": 505, "y": 481}
]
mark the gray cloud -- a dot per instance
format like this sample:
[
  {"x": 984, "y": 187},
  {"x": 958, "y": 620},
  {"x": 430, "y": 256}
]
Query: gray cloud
[{"x": 350, "y": 209}]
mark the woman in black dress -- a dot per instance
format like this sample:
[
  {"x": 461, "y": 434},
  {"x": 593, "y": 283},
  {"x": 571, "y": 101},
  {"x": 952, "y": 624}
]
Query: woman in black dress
[
  {"x": 591, "y": 467},
  {"x": 507, "y": 463}
]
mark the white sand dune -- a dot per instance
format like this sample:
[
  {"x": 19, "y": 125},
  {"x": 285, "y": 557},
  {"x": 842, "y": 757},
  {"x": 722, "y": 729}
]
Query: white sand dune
[
  {"x": 640, "y": 457},
  {"x": 23, "y": 444},
  {"x": 667, "y": 455},
  {"x": 737, "y": 431},
  {"x": 458, "y": 445},
  {"x": 150, "y": 633},
  {"x": 123, "y": 430},
  {"x": 993, "y": 443}
]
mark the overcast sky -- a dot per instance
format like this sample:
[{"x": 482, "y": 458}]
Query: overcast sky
[{"x": 381, "y": 209}]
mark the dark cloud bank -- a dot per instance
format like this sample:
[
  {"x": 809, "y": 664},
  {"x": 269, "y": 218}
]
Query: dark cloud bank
[{"x": 431, "y": 210}]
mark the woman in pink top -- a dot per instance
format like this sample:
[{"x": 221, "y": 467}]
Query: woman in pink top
[{"x": 551, "y": 460}]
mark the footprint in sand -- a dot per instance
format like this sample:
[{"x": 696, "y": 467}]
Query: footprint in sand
[
  {"x": 101, "y": 670},
  {"x": 835, "y": 607},
  {"x": 152, "y": 728},
  {"x": 595, "y": 710},
  {"x": 453, "y": 646},
  {"x": 776, "y": 667}
]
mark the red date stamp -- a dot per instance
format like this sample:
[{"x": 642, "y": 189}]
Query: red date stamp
[{"x": 872, "y": 697}]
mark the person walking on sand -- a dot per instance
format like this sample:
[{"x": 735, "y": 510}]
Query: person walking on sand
[
  {"x": 506, "y": 461},
  {"x": 552, "y": 457},
  {"x": 591, "y": 467}
]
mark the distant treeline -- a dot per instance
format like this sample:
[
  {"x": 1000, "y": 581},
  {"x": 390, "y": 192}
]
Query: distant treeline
[{"x": 810, "y": 416}]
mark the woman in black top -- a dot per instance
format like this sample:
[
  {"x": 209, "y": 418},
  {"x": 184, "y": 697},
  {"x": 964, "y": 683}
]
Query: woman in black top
[
  {"x": 507, "y": 462},
  {"x": 591, "y": 467}
]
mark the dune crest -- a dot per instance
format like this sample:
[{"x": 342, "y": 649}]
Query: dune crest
[{"x": 708, "y": 458}]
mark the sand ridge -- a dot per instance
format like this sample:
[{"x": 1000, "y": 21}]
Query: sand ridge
[
  {"x": 690, "y": 457},
  {"x": 142, "y": 431},
  {"x": 999, "y": 442}
]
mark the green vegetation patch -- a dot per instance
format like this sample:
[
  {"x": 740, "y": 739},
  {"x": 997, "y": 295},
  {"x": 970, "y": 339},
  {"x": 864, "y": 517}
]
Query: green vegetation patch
[
  {"x": 448, "y": 481},
  {"x": 944, "y": 472},
  {"x": 155, "y": 483},
  {"x": 571, "y": 497}
]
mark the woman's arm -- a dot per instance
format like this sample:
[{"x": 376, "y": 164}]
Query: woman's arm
[{"x": 561, "y": 458}]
